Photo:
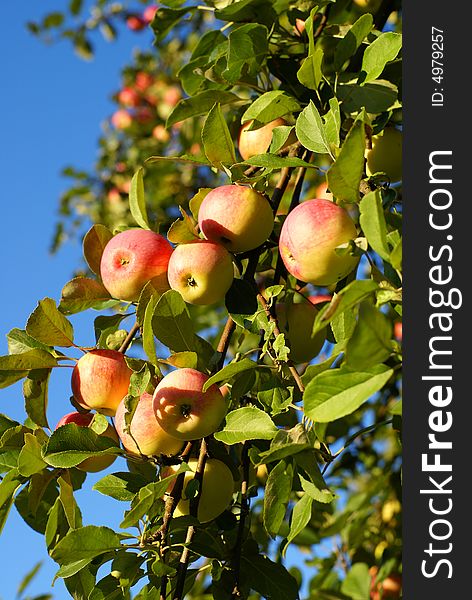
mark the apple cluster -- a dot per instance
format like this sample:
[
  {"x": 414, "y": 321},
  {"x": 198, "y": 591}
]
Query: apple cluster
[{"x": 137, "y": 22}]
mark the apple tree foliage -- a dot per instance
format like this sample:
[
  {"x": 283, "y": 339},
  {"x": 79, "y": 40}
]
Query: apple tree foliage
[{"x": 314, "y": 448}]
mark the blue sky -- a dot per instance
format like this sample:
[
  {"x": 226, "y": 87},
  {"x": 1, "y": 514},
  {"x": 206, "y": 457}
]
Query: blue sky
[{"x": 52, "y": 104}]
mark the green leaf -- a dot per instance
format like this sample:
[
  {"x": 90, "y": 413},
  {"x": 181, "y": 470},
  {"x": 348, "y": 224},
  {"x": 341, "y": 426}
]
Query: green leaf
[
  {"x": 301, "y": 516},
  {"x": 272, "y": 161},
  {"x": 286, "y": 443},
  {"x": 270, "y": 579},
  {"x": 396, "y": 409},
  {"x": 167, "y": 19},
  {"x": 229, "y": 371},
  {"x": 339, "y": 392},
  {"x": 182, "y": 230},
  {"x": 348, "y": 297},
  {"x": 35, "y": 392},
  {"x": 50, "y": 326},
  {"x": 345, "y": 175},
  {"x": 30, "y": 460},
  {"x": 200, "y": 104},
  {"x": 270, "y": 106},
  {"x": 171, "y": 322},
  {"x": 247, "y": 51},
  {"x": 19, "y": 342},
  {"x": 69, "y": 445},
  {"x": 137, "y": 203},
  {"x": 69, "y": 505},
  {"x": 149, "y": 345},
  {"x": 248, "y": 423},
  {"x": 28, "y": 578},
  {"x": 8, "y": 488},
  {"x": 316, "y": 486},
  {"x": 82, "y": 293},
  {"x": 370, "y": 342},
  {"x": 310, "y": 130},
  {"x": 332, "y": 120},
  {"x": 216, "y": 138},
  {"x": 196, "y": 201},
  {"x": 276, "y": 496},
  {"x": 95, "y": 240},
  {"x": 257, "y": 11},
  {"x": 104, "y": 325},
  {"x": 382, "y": 50},
  {"x": 348, "y": 45},
  {"x": 80, "y": 546},
  {"x": 372, "y": 221},
  {"x": 356, "y": 585},
  {"x": 120, "y": 486},
  {"x": 375, "y": 97},
  {"x": 310, "y": 74},
  {"x": 182, "y": 360},
  {"x": 27, "y": 361}
]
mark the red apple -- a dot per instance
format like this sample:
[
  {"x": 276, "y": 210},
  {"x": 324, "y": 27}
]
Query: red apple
[
  {"x": 128, "y": 96},
  {"x": 258, "y": 141},
  {"x": 94, "y": 463},
  {"x": 201, "y": 271},
  {"x": 131, "y": 259},
  {"x": 172, "y": 95},
  {"x": 183, "y": 410},
  {"x": 160, "y": 133},
  {"x": 121, "y": 119},
  {"x": 144, "y": 114},
  {"x": 320, "y": 299},
  {"x": 236, "y": 216},
  {"x": 135, "y": 23},
  {"x": 308, "y": 239},
  {"x": 143, "y": 80},
  {"x": 299, "y": 27},
  {"x": 397, "y": 330},
  {"x": 216, "y": 489},
  {"x": 147, "y": 436},
  {"x": 388, "y": 589},
  {"x": 100, "y": 380},
  {"x": 149, "y": 12}
]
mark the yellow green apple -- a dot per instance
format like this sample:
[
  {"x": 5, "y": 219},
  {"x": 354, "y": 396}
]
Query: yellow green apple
[
  {"x": 297, "y": 320},
  {"x": 237, "y": 217},
  {"x": 183, "y": 410},
  {"x": 308, "y": 239},
  {"x": 131, "y": 259},
  {"x": 257, "y": 141},
  {"x": 386, "y": 154},
  {"x": 217, "y": 488},
  {"x": 202, "y": 271},
  {"x": 100, "y": 380},
  {"x": 146, "y": 436}
]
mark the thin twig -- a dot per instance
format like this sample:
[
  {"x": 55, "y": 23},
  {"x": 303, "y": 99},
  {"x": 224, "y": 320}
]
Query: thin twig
[
  {"x": 129, "y": 338},
  {"x": 242, "y": 521},
  {"x": 185, "y": 556},
  {"x": 272, "y": 319}
]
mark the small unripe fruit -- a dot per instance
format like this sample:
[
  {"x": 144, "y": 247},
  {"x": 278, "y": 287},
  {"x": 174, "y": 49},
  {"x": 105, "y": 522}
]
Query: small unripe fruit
[
  {"x": 309, "y": 237},
  {"x": 147, "y": 436},
  {"x": 183, "y": 410},
  {"x": 100, "y": 380},
  {"x": 131, "y": 259},
  {"x": 201, "y": 271},
  {"x": 237, "y": 217},
  {"x": 216, "y": 489},
  {"x": 94, "y": 463},
  {"x": 143, "y": 80}
]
